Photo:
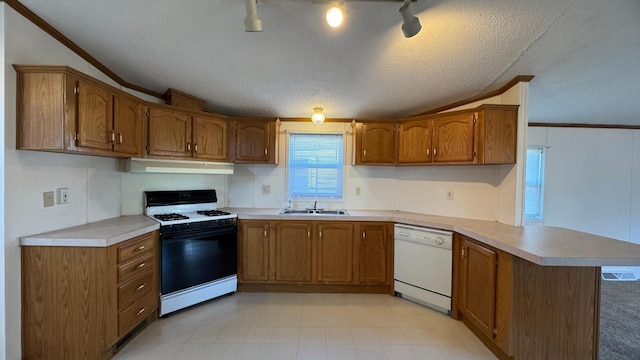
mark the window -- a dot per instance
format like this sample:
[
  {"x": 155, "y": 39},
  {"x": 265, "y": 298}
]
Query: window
[
  {"x": 315, "y": 165},
  {"x": 534, "y": 184}
]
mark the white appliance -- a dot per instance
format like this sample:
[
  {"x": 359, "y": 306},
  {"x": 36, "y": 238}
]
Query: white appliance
[
  {"x": 423, "y": 265},
  {"x": 198, "y": 247}
]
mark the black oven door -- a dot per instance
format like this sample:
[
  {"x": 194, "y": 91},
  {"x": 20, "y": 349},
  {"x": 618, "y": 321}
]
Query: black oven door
[{"x": 198, "y": 257}]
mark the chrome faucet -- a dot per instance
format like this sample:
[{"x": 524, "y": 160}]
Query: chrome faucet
[{"x": 315, "y": 205}]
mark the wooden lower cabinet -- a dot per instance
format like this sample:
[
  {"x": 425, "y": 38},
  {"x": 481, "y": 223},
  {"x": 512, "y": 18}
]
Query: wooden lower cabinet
[
  {"x": 334, "y": 254},
  {"x": 293, "y": 246},
  {"x": 315, "y": 255},
  {"x": 521, "y": 310},
  {"x": 79, "y": 302}
]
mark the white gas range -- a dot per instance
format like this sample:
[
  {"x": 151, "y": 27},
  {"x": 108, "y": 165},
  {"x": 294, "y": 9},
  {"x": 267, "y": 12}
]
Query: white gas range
[{"x": 198, "y": 247}]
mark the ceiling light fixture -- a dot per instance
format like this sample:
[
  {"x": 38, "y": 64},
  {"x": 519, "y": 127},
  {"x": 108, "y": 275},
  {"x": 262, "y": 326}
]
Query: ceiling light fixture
[
  {"x": 317, "y": 117},
  {"x": 334, "y": 16},
  {"x": 411, "y": 24},
  {"x": 252, "y": 22}
]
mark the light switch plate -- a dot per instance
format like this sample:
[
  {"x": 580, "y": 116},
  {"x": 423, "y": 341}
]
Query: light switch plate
[{"x": 48, "y": 198}]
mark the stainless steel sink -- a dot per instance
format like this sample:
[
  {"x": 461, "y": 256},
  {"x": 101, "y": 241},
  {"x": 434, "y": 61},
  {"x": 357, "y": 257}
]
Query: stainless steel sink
[{"x": 313, "y": 212}]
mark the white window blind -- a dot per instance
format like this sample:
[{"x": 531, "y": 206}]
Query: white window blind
[
  {"x": 534, "y": 184},
  {"x": 315, "y": 165}
]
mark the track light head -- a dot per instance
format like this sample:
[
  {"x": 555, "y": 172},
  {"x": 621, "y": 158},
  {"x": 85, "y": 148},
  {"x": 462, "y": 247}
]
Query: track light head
[
  {"x": 252, "y": 22},
  {"x": 411, "y": 24}
]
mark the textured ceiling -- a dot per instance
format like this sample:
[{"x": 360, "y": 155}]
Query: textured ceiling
[{"x": 585, "y": 54}]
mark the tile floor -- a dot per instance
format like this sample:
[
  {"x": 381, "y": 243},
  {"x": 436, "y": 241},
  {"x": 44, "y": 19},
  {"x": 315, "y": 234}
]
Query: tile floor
[{"x": 282, "y": 326}]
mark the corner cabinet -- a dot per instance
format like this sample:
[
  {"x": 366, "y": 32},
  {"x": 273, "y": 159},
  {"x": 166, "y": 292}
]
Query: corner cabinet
[
  {"x": 521, "y": 310},
  {"x": 63, "y": 110},
  {"x": 254, "y": 140},
  {"x": 172, "y": 133},
  {"x": 83, "y": 302},
  {"x": 315, "y": 256}
]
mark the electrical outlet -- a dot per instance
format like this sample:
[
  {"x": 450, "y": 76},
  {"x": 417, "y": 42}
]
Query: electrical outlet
[
  {"x": 47, "y": 197},
  {"x": 266, "y": 189},
  {"x": 449, "y": 194},
  {"x": 63, "y": 195},
  {"x": 358, "y": 191}
]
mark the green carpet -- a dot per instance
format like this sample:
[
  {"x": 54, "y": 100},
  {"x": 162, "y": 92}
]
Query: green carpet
[{"x": 619, "y": 320}]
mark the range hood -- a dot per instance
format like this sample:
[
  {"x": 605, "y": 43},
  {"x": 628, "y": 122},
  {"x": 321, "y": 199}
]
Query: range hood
[{"x": 160, "y": 166}]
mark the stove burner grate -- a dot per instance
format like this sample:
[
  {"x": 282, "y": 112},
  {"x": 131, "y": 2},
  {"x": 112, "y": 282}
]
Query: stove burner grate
[
  {"x": 212, "y": 212},
  {"x": 170, "y": 217}
]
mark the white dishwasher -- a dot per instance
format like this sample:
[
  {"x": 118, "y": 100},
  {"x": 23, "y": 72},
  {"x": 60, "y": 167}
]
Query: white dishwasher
[{"x": 422, "y": 265}]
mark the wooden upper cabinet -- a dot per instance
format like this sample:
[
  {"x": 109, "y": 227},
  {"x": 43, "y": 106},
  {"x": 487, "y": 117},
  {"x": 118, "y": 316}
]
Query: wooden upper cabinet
[
  {"x": 210, "y": 138},
  {"x": 414, "y": 141},
  {"x": 63, "y": 110},
  {"x": 453, "y": 138},
  {"x": 255, "y": 141},
  {"x": 293, "y": 249},
  {"x": 95, "y": 117},
  {"x": 335, "y": 252},
  {"x": 375, "y": 143},
  {"x": 497, "y": 134},
  {"x": 169, "y": 133},
  {"x": 127, "y": 125}
]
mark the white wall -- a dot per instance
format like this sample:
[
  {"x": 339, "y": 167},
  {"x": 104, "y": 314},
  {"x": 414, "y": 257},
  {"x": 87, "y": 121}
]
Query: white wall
[
  {"x": 592, "y": 180},
  {"x": 3, "y": 344}
]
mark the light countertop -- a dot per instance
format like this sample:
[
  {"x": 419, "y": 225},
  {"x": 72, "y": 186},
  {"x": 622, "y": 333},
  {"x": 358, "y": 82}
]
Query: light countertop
[
  {"x": 549, "y": 246},
  {"x": 97, "y": 234}
]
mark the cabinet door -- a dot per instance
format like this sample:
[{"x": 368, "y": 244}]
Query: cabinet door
[
  {"x": 254, "y": 251},
  {"x": 374, "y": 253},
  {"x": 210, "y": 138},
  {"x": 478, "y": 286},
  {"x": 414, "y": 142},
  {"x": 335, "y": 252},
  {"x": 500, "y": 128},
  {"x": 453, "y": 139},
  {"x": 378, "y": 143},
  {"x": 293, "y": 252},
  {"x": 95, "y": 117},
  {"x": 127, "y": 124},
  {"x": 255, "y": 141},
  {"x": 169, "y": 133}
]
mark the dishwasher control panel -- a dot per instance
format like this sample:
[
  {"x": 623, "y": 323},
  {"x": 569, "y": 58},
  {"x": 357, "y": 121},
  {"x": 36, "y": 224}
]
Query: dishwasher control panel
[{"x": 425, "y": 236}]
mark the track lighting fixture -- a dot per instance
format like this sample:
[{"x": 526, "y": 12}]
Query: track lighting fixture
[
  {"x": 334, "y": 16},
  {"x": 317, "y": 117},
  {"x": 252, "y": 22},
  {"x": 411, "y": 24}
]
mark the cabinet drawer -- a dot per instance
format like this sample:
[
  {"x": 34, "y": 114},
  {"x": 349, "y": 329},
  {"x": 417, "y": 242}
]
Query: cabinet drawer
[
  {"x": 135, "y": 313},
  {"x": 135, "y": 248},
  {"x": 135, "y": 267},
  {"x": 135, "y": 289}
]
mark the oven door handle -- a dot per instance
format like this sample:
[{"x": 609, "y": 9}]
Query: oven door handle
[{"x": 209, "y": 233}]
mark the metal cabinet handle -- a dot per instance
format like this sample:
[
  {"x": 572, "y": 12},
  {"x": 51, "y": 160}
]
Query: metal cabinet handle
[
  {"x": 142, "y": 286},
  {"x": 434, "y": 151},
  {"x": 120, "y": 138},
  {"x": 265, "y": 232},
  {"x": 188, "y": 146},
  {"x": 141, "y": 311},
  {"x": 112, "y": 135},
  {"x": 141, "y": 247},
  {"x": 195, "y": 147},
  {"x": 140, "y": 266},
  {"x": 428, "y": 151},
  {"x": 266, "y": 151}
]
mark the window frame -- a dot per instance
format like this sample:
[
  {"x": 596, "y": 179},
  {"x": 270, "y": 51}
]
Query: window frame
[
  {"x": 539, "y": 216},
  {"x": 324, "y": 199}
]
